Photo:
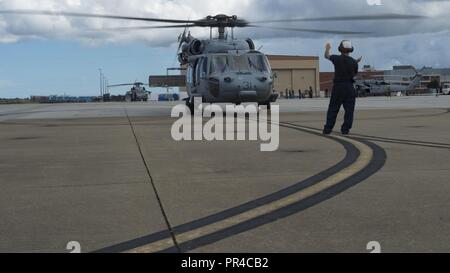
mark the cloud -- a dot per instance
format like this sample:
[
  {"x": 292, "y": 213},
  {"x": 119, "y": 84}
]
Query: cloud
[
  {"x": 419, "y": 42},
  {"x": 437, "y": 11},
  {"x": 17, "y": 27},
  {"x": 382, "y": 53}
]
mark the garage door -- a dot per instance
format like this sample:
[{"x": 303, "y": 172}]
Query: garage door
[
  {"x": 303, "y": 79},
  {"x": 283, "y": 80}
]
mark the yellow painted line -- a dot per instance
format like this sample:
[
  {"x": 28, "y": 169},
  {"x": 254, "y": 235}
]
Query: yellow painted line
[{"x": 366, "y": 155}]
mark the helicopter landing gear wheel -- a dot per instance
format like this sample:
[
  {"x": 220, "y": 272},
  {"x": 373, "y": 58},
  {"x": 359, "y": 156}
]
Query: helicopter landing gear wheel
[{"x": 190, "y": 105}]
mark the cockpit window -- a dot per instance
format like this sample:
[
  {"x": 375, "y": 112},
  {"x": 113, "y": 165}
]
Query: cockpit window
[
  {"x": 246, "y": 63},
  {"x": 219, "y": 64},
  {"x": 240, "y": 63},
  {"x": 257, "y": 63}
]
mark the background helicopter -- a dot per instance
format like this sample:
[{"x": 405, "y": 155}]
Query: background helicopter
[
  {"x": 225, "y": 69},
  {"x": 136, "y": 93},
  {"x": 382, "y": 88}
]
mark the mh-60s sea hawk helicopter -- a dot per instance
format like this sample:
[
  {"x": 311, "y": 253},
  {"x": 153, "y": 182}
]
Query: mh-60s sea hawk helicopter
[
  {"x": 225, "y": 69},
  {"x": 377, "y": 87},
  {"x": 136, "y": 93}
]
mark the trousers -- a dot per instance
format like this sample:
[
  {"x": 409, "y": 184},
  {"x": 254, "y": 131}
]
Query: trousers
[{"x": 343, "y": 94}]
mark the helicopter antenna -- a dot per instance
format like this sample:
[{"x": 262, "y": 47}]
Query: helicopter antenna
[{"x": 183, "y": 38}]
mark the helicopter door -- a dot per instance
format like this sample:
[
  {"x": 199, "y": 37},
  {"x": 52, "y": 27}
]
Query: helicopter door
[
  {"x": 189, "y": 76},
  {"x": 203, "y": 68},
  {"x": 197, "y": 74}
]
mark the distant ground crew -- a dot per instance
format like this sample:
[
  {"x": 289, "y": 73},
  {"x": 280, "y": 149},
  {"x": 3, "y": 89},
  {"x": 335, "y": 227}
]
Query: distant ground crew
[{"x": 343, "y": 93}]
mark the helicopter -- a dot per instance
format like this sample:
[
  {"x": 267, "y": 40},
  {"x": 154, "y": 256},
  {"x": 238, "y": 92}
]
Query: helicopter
[
  {"x": 381, "y": 88},
  {"x": 225, "y": 69},
  {"x": 136, "y": 93}
]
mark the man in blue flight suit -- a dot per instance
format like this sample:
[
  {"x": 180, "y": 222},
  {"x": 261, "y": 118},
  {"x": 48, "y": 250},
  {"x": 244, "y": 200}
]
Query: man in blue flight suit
[{"x": 343, "y": 94}]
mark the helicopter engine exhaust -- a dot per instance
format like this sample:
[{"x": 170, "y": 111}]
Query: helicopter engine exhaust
[{"x": 196, "y": 47}]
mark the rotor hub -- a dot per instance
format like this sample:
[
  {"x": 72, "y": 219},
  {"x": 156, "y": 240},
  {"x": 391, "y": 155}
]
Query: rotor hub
[{"x": 222, "y": 21}]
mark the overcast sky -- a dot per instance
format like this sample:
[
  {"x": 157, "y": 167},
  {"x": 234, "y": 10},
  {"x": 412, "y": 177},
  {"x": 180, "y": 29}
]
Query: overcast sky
[{"x": 49, "y": 55}]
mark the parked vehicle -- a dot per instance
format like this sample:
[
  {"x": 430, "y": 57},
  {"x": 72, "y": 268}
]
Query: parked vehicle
[{"x": 446, "y": 89}]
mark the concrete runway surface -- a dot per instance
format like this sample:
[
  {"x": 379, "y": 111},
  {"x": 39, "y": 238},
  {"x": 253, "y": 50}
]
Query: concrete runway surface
[{"x": 110, "y": 177}]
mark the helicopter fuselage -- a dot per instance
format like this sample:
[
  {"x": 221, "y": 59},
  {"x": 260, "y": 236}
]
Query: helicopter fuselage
[
  {"x": 137, "y": 93},
  {"x": 229, "y": 71}
]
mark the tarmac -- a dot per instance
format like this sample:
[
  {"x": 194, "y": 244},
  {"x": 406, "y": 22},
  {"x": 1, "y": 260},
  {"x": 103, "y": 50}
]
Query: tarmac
[{"x": 110, "y": 177}]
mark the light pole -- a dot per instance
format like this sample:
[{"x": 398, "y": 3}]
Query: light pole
[
  {"x": 104, "y": 86},
  {"x": 101, "y": 83}
]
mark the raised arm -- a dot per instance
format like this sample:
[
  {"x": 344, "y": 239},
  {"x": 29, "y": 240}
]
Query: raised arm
[
  {"x": 327, "y": 51},
  {"x": 357, "y": 64}
]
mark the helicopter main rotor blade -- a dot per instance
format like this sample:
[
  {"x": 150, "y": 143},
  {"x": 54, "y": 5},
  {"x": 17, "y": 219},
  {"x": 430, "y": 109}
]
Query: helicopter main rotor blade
[
  {"x": 312, "y": 30},
  {"x": 134, "y": 83},
  {"x": 87, "y": 15},
  {"x": 140, "y": 28},
  {"x": 125, "y": 84},
  {"x": 389, "y": 16}
]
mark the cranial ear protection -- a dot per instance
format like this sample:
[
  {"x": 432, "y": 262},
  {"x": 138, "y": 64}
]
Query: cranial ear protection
[{"x": 346, "y": 47}]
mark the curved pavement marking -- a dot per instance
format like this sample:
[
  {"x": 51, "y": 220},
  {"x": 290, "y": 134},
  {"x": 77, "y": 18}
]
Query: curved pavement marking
[
  {"x": 363, "y": 161},
  {"x": 445, "y": 112},
  {"x": 352, "y": 153},
  {"x": 395, "y": 140}
]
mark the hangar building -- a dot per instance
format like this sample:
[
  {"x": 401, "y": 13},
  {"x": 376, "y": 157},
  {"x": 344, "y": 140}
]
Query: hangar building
[
  {"x": 292, "y": 73},
  {"x": 295, "y": 73}
]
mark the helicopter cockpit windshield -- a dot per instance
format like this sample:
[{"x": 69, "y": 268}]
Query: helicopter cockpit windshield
[
  {"x": 257, "y": 62},
  {"x": 251, "y": 62},
  {"x": 219, "y": 64},
  {"x": 244, "y": 63},
  {"x": 240, "y": 63}
]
